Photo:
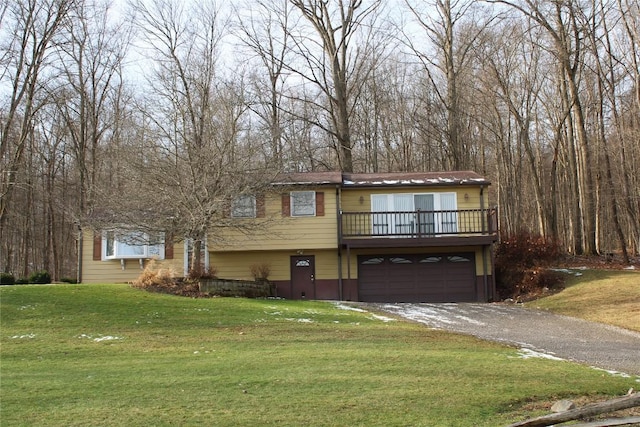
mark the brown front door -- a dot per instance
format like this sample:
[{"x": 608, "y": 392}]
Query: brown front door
[{"x": 303, "y": 277}]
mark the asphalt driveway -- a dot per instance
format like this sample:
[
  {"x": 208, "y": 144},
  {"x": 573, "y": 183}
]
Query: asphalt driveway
[{"x": 538, "y": 332}]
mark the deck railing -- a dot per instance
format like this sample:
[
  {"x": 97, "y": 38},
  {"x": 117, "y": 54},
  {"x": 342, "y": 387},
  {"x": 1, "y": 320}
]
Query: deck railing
[{"x": 417, "y": 224}]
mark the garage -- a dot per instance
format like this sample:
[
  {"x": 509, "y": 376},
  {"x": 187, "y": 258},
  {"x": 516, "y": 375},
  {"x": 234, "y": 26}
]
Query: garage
[{"x": 417, "y": 278}]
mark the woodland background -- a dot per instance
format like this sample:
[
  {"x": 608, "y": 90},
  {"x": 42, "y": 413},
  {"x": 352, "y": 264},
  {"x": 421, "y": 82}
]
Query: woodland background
[{"x": 155, "y": 113}]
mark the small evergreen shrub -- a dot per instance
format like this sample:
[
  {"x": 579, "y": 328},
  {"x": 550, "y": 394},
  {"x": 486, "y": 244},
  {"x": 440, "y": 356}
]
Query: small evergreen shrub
[
  {"x": 7, "y": 279},
  {"x": 22, "y": 281},
  {"x": 68, "y": 280},
  {"x": 522, "y": 262},
  {"x": 40, "y": 277}
]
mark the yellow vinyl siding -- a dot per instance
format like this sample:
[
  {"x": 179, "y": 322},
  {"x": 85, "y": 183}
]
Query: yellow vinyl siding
[
  {"x": 276, "y": 232},
  {"x": 351, "y": 197},
  {"x": 111, "y": 271},
  {"x": 237, "y": 265}
]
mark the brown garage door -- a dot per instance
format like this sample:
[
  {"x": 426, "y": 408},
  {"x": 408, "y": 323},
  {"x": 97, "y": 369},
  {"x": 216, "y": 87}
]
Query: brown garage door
[{"x": 417, "y": 278}]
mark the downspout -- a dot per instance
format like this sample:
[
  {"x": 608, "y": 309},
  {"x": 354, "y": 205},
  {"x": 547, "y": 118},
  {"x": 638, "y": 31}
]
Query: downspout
[
  {"x": 80, "y": 249},
  {"x": 339, "y": 216},
  {"x": 485, "y": 280}
]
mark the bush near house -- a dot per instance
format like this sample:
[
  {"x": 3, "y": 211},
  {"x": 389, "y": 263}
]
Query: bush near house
[
  {"x": 40, "y": 277},
  {"x": 522, "y": 262},
  {"x": 7, "y": 279}
]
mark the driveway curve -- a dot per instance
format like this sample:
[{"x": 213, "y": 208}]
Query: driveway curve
[{"x": 595, "y": 344}]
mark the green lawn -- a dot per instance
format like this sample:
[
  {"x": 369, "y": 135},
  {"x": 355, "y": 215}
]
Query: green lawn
[
  {"x": 98, "y": 355},
  {"x": 607, "y": 296}
]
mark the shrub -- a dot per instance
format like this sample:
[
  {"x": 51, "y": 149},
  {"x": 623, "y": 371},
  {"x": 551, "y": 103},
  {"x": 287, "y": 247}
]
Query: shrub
[
  {"x": 68, "y": 280},
  {"x": 152, "y": 276},
  {"x": 207, "y": 273},
  {"x": 163, "y": 280},
  {"x": 7, "y": 279},
  {"x": 22, "y": 281},
  {"x": 40, "y": 277},
  {"x": 260, "y": 271},
  {"x": 521, "y": 265}
]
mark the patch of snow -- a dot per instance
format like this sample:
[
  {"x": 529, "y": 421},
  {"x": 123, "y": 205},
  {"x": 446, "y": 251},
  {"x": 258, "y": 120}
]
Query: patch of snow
[
  {"x": 21, "y": 337},
  {"x": 348, "y": 307},
  {"x": 527, "y": 353},
  {"x": 567, "y": 271},
  {"x": 300, "y": 320},
  {"x": 383, "y": 318},
  {"x": 106, "y": 338},
  {"x": 99, "y": 338},
  {"x": 615, "y": 373},
  {"x": 27, "y": 307},
  {"x": 470, "y": 320},
  {"x": 426, "y": 315},
  {"x": 631, "y": 267}
]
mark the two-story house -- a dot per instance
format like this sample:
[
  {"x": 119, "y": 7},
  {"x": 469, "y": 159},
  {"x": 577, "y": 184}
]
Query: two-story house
[{"x": 387, "y": 237}]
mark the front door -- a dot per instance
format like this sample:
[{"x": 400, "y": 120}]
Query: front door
[{"x": 303, "y": 277}]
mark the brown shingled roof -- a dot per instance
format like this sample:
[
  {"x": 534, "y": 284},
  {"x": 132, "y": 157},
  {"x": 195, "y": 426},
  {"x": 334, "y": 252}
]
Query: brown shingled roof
[{"x": 308, "y": 178}]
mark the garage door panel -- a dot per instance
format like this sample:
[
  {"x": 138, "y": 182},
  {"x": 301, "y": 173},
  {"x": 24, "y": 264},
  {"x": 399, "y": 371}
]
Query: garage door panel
[{"x": 417, "y": 278}]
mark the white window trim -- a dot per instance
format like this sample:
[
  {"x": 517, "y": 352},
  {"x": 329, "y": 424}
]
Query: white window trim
[
  {"x": 292, "y": 204},
  {"x": 188, "y": 243},
  {"x": 146, "y": 252},
  {"x": 235, "y": 206}
]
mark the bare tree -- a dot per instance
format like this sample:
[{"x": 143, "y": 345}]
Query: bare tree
[
  {"x": 192, "y": 162},
  {"x": 264, "y": 32},
  {"x": 453, "y": 39},
  {"x": 88, "y": 95},
  {"x": 562, "y": 22},
  {"x": 339, "y": 69},
  {"x": 31, "y": 27}
]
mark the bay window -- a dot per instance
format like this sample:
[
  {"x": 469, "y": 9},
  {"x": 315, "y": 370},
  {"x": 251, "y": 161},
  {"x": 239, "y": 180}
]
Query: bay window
[{"x": 119, "y": 244}]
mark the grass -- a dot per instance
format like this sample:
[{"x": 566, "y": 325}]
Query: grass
[
  {"x": 607, "y": 296},
  {"x": 79, "y": 355}
]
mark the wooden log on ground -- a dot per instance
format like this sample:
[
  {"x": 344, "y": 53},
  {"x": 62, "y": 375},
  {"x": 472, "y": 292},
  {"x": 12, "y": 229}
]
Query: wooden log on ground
[
  {"x": 611, "y": 422},
  {"x": 590, "y": 410}
]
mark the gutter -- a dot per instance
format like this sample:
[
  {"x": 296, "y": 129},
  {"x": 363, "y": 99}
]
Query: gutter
[
  {"x": 485, "y": 279},
  {"x": 339, "y": 219},
  {"x": 80, "y": 247}
]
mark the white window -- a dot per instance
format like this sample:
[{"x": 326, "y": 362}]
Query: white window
[
  {"x": 303, "y": 203},
  {"x": 414, "y": 214},
  {"x": 117, "y": 244},
  {"x": 244, "y": 206}
]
